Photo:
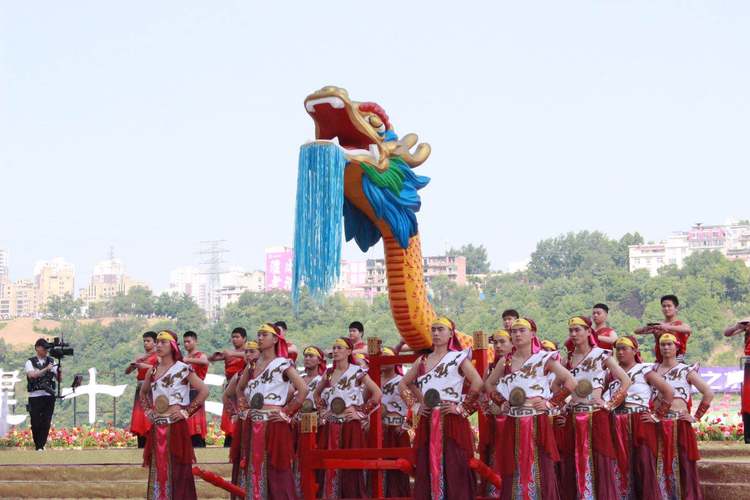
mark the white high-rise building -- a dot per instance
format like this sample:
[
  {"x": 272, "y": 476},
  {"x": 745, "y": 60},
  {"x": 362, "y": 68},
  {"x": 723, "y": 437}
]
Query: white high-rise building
[
  {"x": 108, "y": 280},
  {"x": 189, "y": 280},
  {"x": 53, "y": 278},
  {"x": 237, "y": 281}
]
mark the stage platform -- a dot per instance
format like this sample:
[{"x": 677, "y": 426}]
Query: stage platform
[{"x": 116, "y": 473}]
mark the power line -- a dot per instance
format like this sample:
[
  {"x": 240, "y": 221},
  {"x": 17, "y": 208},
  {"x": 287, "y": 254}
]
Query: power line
[{"x": 214, "y": 251}]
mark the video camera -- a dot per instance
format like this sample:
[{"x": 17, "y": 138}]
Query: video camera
[{"x": 59, "y": 349}]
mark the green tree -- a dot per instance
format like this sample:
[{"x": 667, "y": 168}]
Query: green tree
[
  {"x": 63, "y": 307},
  {"x": 564, "y": 256},
  {"x": 476, "y": 258},
  {"x": 138, "y": 301}
]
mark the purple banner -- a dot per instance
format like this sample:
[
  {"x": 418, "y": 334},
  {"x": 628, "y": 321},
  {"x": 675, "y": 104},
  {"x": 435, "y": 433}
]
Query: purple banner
[{"x": 722, "y": 378}]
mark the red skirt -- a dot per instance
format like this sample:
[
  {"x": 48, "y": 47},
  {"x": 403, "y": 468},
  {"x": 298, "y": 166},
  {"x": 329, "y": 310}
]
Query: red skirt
[
  {"x": 342, "y": 483},
  {"x": 169, "y": 456},
  {"x": 226, "y": 422},
  {"x": 526, "y": 455},
  {"x": 139, "y": 422},
  {"x": 197, "y": 423},
  {"x": 447, "y": 450},
  {"x": 238, "y": 454},
  {"x": 396, "y": 482},
  {"x": 487, "y": 451},
  {"x": 636, "y": 445},
  {"x": 267, "y": 460},
  {"x": 588, "y": 465},
  {"x": 679, "y": 455},
  {"x": 746, "y": 389}
]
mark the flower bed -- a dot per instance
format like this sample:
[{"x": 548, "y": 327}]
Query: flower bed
[
  {"x": 90, "y": 437},
  {"x": 719, "y": 429}
]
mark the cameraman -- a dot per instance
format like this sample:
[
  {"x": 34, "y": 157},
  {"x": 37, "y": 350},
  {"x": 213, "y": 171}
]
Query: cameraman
[{"x": 41, "y": 374}]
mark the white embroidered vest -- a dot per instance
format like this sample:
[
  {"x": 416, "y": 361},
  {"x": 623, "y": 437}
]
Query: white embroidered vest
[
  {"x": 592, "y": 368},
  {"x": 270, "y": 383},
  {"x": 530, "y": 377},
  {"x": 392, "y": 402},
  {"x": 173, "y": 384},
  {"x": 445, "y": 377},
  {"x": 677, "y": 378},
  {"x": 639, "y": 392},
  {"x": 348, "y": 387},
  {"x": 312, "y": 385}
]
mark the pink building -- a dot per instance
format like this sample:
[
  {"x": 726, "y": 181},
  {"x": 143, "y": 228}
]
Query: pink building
[
  {"x": 353, "y": 279},
  {"x": 279, "y": 268}
]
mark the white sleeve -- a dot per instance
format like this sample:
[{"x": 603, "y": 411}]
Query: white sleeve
[{"x": 28, "y": 367}]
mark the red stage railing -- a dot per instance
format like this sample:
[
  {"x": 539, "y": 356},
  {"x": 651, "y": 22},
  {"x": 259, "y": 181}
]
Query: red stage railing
[{"x": 376, "y": 459}]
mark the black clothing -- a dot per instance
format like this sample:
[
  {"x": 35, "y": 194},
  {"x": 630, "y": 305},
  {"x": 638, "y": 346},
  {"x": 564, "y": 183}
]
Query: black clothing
[{"x": 40, "y": 410}]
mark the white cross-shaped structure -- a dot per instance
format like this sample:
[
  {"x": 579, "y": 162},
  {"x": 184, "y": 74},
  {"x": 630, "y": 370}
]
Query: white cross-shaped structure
[
  {"x": 8, "y": 381},
  {"x": 92, "y": 389}
]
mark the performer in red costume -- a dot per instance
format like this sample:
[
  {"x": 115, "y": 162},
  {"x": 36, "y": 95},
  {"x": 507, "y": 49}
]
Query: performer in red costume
[
  {"x": 139, "y": 423},
  {"x": 199, "y": 362},
  {"x": 293, "y": 351},
  {"x": 636, "y": 432},
  {"x": 502, "y": 345},
  {"x": 263, "y": 400},
  {"x": 164, "y": 394},
  {"x": 340, "y": 399},
  {"x": 678, "y": 469},
  {"x": 314, "y": 360},
  {"x": 744, "y": 327},
  {"x": 357, "y": 336},
  {"x": 520, "y": 387},
  {"x": 588, "y": 465},
  {"x": 444, "y": 442},
  {"x": 240, "y": 444},
  {"x": 604, "y": 335},
  {"x": 669, "y": 308},
  {"x": 395, "y": 425},
  {"x": 234, "y": 362}
]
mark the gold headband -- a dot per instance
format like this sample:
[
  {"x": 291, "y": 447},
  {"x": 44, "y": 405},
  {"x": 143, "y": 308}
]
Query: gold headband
[
  {"x": 577, "y": 321},
  {"x": 165, "y": 335},
  {"x": 251, "y": 344},
  {"x": 388, "y": 351},
  {"x": 501, "y": 333},
  {"x": 359, "y": 355},
  {"x": 443, "y": 321},
  {"x": 266, "y": 328},
  {"x": 520, "y": 323},
  {"x": 548, "y": 344},
  {"x": 312, "y": 351},
  {"x": 667, "y": 337},
  {"x": 341, "y": 343},
  {"x": 625, "y": 341}
]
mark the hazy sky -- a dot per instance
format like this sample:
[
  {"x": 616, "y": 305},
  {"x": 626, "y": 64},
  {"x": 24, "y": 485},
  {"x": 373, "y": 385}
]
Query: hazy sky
[{"x": 150, "y": 126}]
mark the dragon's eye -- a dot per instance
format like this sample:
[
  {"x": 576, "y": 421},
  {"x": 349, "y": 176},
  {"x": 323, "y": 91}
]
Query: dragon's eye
[{"x": 375, "y": 121}]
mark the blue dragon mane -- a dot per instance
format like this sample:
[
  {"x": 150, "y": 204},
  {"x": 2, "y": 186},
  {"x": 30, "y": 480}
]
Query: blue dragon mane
[{"x": 394, "y": 197}]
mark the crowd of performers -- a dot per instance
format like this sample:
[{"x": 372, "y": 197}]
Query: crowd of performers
[{"x": 589, "y": 421}]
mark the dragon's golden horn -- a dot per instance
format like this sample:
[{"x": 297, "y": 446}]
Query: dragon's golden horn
[
  {"x": 419, "y": 156},
  {"x": 409, "y": 140}
]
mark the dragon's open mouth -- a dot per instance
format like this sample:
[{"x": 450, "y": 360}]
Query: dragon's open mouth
[{"x": 337, "y": 120}]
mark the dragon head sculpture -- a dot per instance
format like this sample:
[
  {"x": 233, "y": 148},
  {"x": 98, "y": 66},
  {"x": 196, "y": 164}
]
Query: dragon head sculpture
[
  {"x": 362, "y": 129},
  {"x": 380, "y": 188}
]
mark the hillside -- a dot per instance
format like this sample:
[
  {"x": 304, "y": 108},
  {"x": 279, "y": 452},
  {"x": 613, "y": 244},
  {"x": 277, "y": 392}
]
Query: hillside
[{"x": 21, "y": 332}]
